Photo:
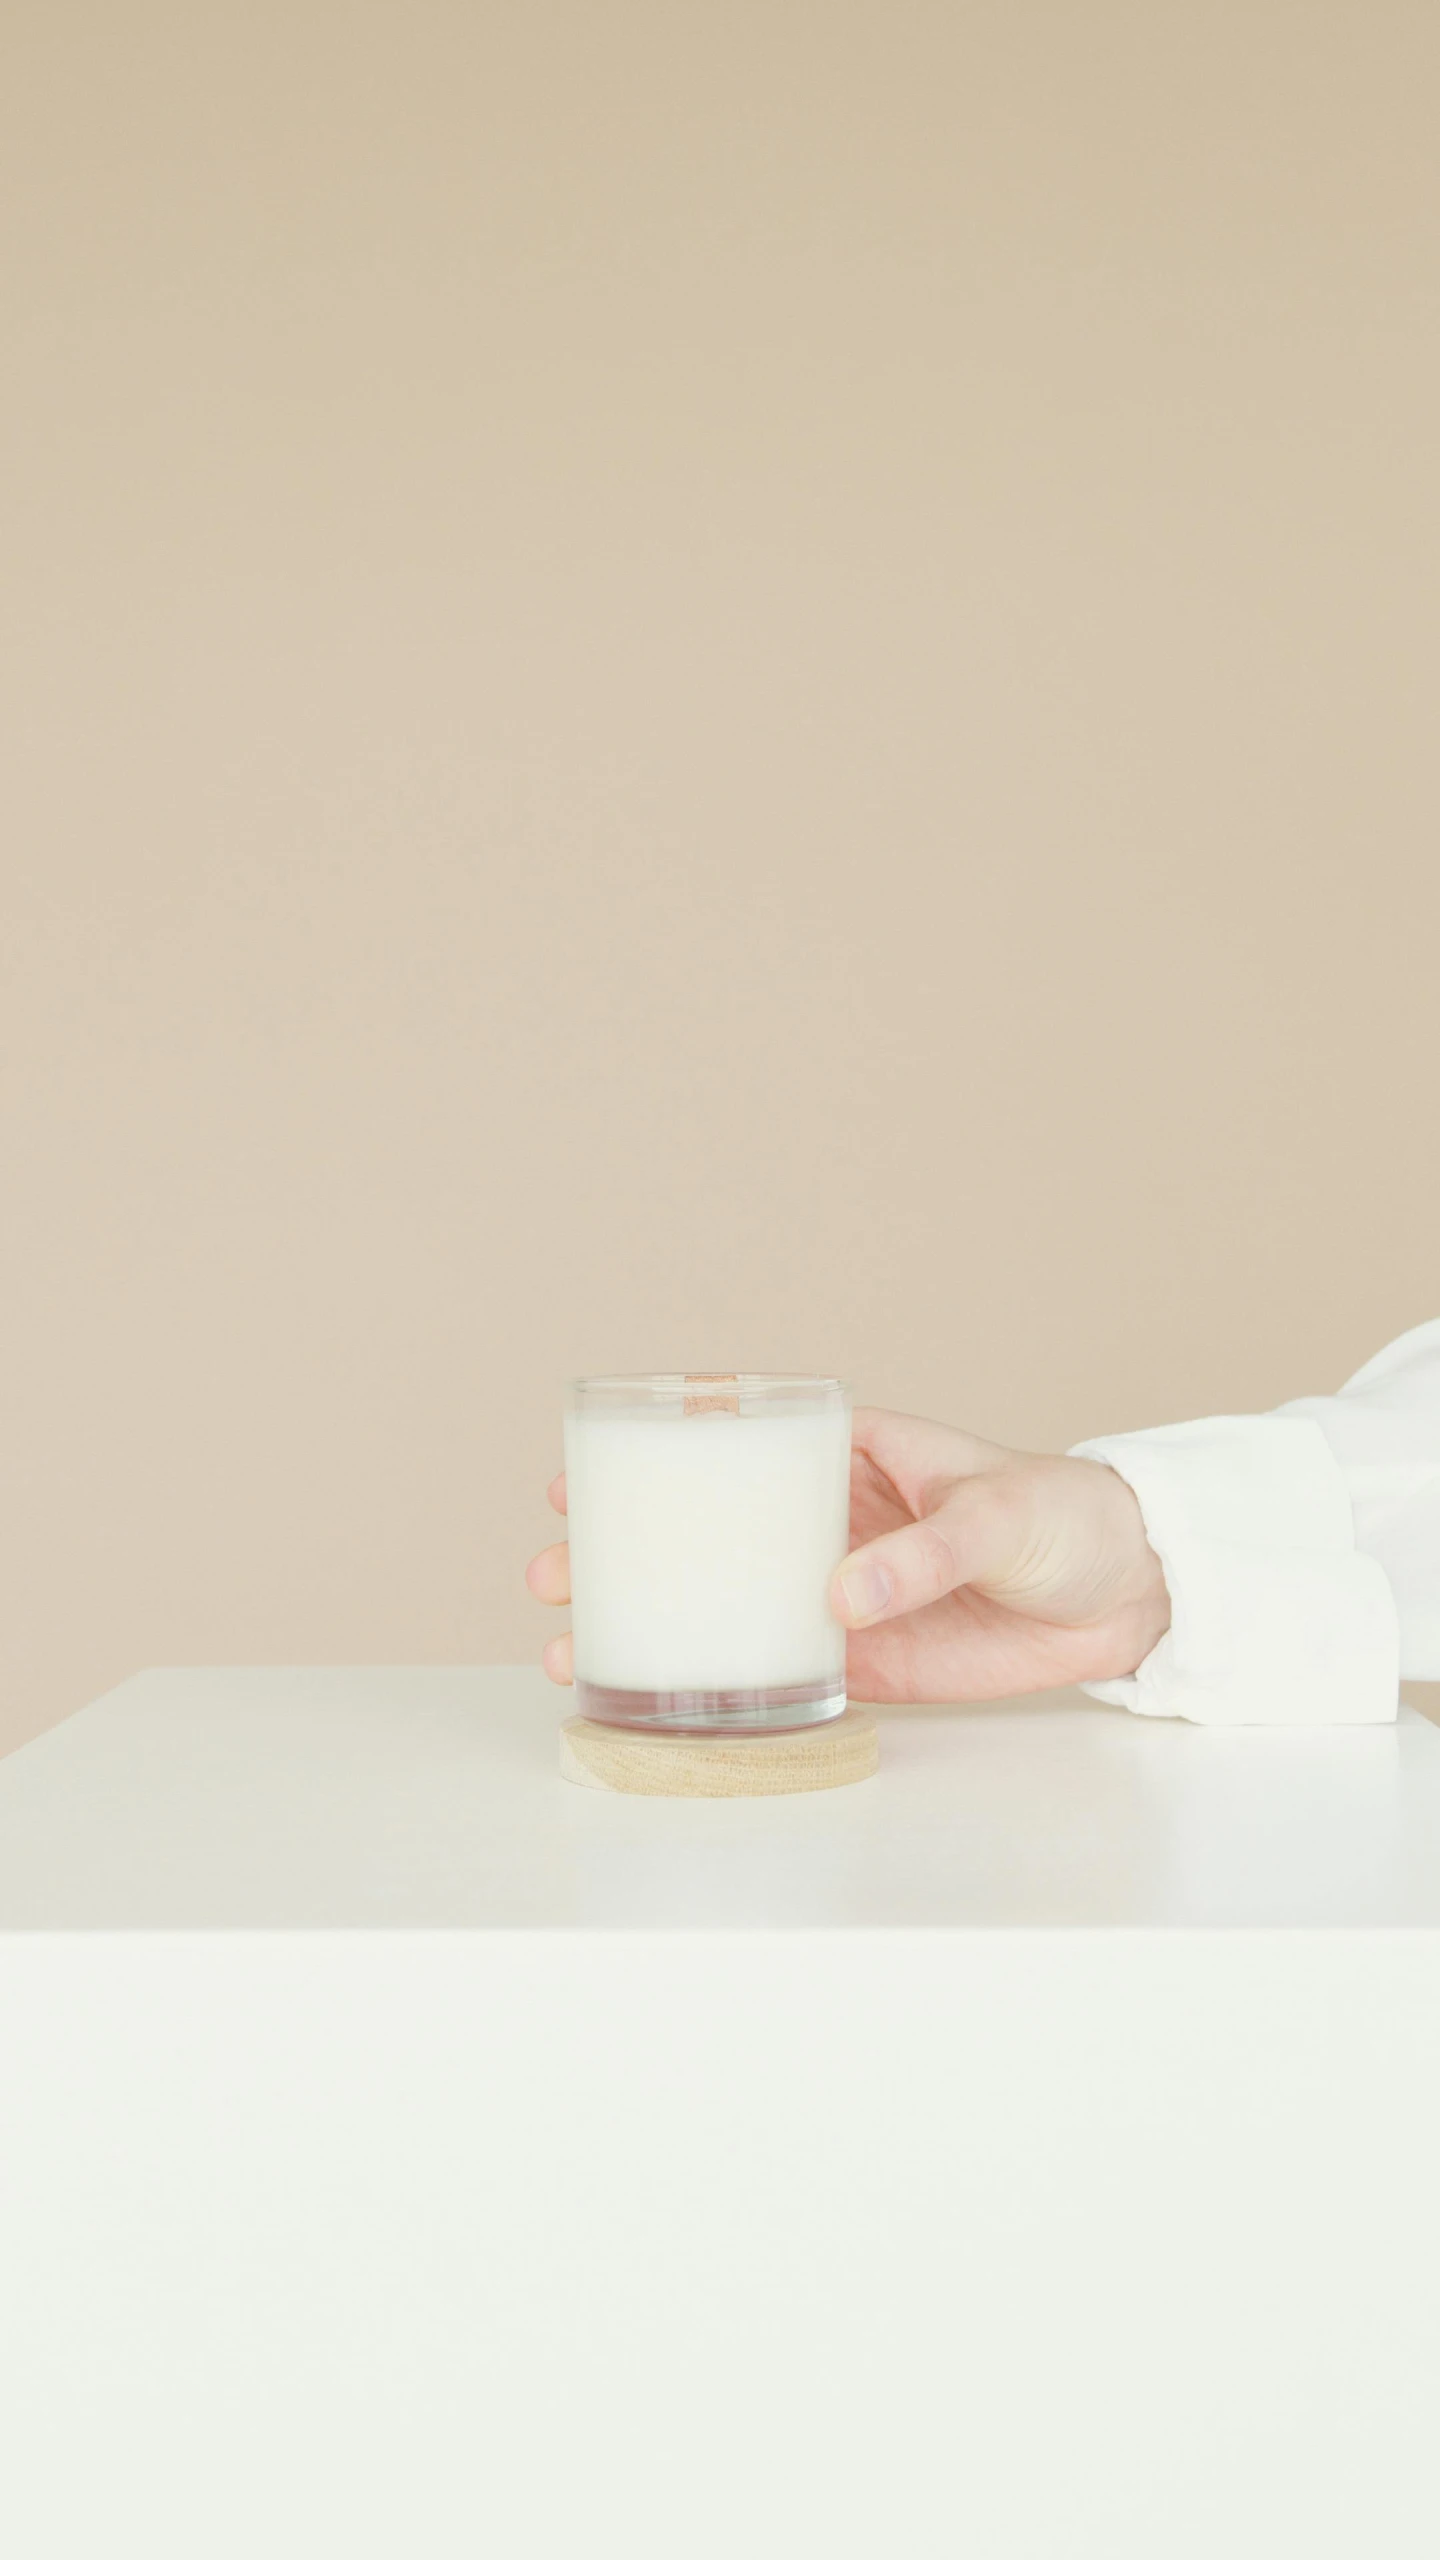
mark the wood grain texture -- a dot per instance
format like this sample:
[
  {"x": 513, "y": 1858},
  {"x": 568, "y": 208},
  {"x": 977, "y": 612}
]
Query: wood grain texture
[
  {"x": 622, "y": 1762},
  {"x": 712, "y": 1391}
]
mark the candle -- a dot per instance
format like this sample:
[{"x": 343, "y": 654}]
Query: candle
[{"x": 707, "y": 1516}]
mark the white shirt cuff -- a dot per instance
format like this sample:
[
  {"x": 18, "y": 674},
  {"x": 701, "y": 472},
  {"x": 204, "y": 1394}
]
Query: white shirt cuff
[{"x": 1274, "y": 1617}]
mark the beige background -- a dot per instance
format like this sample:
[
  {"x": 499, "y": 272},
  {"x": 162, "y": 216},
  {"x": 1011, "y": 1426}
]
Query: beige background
[{"x": 688, "y": 685}]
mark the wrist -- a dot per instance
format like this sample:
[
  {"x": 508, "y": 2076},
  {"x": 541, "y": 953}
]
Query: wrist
[{"x": 1142, "y": 1610}]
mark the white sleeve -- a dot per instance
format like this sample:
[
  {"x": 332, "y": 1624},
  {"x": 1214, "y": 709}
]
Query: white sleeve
[{"x": 1301, "y": 1549}]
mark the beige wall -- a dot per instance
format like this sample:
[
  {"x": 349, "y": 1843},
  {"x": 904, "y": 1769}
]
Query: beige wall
[{"x": 688, "y": 685}]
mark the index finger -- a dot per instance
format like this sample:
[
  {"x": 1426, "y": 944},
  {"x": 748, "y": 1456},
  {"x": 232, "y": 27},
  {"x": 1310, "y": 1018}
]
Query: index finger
[
  {"x": 555, "y": 1493},
  {"x": 919, "y": 1457}
]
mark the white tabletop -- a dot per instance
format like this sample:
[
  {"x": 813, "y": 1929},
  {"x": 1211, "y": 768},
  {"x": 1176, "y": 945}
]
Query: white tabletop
[
  {"x": 275, "y": 1799},
  {"x": 358, "y": 2155}
]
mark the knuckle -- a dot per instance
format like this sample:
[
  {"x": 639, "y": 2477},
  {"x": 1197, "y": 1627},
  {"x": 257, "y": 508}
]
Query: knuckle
[{"x": 934, "y": 1560}]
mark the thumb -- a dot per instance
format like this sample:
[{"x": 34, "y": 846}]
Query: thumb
[{"x": 965, "y": 1540}]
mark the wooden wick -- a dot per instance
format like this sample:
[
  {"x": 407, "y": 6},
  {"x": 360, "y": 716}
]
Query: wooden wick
[{"x": 703, "y": 1391}]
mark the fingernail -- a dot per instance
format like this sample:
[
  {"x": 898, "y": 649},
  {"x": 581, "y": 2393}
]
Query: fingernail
[{"x": 865, "y": 1590}]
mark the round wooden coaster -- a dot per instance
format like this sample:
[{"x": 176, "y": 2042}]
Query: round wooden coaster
[{"x": 628, "y": 1763}]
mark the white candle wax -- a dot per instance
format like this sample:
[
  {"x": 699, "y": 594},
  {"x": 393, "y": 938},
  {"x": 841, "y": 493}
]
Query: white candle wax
[{"x": 702, "y": 1547}]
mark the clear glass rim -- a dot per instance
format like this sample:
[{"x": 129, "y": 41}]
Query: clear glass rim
[{"x": 680, "y": 1382}]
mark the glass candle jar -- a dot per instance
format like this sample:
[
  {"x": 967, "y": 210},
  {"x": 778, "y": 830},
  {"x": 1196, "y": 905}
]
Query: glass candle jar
[{"x": 707, "y": 1515}]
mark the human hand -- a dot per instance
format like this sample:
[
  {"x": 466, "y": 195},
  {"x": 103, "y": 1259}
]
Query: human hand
[
  {"x": 981, "y": 1572},
  {"x": 548, "y": 1576},
  {"x": 976, "y": 1571}
]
